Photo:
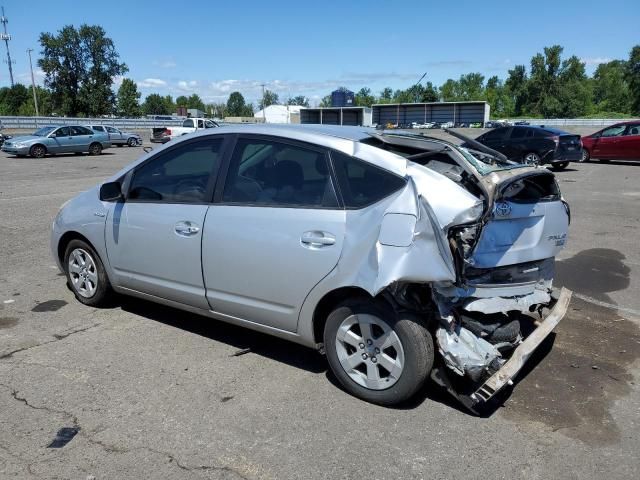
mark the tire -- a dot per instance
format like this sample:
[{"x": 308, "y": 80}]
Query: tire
[
  {"x": 132, "y": 142},
  {"x": 531, "y": 158},
  {"x": 95, "y": 149},
  {"x": 37, "y": 151},
  {"x": 408, "y": 355},
  {"x": 586, "y": 156},
  {"x": 86, "y": 275},
  {"x": 559, "y": 166}
]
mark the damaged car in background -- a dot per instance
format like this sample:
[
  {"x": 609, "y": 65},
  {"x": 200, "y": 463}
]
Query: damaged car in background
[{"x": 403, "y": 258}]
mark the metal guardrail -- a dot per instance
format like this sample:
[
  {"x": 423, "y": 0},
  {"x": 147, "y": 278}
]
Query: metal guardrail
[
  {"x": 574, "y": 122},
  {"x": 122, "y": 123}
]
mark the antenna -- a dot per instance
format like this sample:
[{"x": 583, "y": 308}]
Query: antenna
[{"x": 6, "y": 37}]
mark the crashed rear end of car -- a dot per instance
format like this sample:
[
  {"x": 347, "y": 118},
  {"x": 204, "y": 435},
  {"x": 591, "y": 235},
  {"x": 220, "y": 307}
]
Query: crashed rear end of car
[{"x": 489, "y": 297}]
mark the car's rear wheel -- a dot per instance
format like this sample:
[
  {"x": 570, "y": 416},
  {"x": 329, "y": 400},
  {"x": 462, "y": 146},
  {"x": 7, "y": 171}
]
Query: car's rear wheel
[
  {"x": 532, "y": 158},
  {"x": 38, "y": 151},
  {"x": 132, "y": 142},
  {"x": 377, "y": 354},
  {"x": 86, "y": 274},
  {"x": 586, "y": 156},
  {"x": 560, "y": 165},
  {"x": 95, "y": 149}
]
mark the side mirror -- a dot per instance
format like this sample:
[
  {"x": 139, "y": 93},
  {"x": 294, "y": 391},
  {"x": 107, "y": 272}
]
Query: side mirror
[{"x": 111, "y": 192}]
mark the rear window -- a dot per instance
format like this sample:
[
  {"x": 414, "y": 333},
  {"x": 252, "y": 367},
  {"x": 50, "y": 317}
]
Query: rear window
[
  {"x": 517, "y": 133},
  {"x": 361, "y": 183}
]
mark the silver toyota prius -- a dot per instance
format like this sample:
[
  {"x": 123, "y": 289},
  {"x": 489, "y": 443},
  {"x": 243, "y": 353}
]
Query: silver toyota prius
[{"x": 403, "y": 258}]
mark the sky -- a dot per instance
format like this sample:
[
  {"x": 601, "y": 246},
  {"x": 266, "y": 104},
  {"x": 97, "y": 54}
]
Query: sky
[{"x": 213, "y": 48}]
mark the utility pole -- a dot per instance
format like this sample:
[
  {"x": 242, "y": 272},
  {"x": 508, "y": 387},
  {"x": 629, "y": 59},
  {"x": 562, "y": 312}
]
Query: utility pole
[
  {"x": 418, "y": 83},
  {"x": 6, "y": 37},
  {"x": 264, "y": 113},
  {"x": 33, "y": 85}
]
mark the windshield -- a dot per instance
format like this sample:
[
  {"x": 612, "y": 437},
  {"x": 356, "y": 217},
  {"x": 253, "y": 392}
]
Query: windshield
[{"x": 44, "y": 131}]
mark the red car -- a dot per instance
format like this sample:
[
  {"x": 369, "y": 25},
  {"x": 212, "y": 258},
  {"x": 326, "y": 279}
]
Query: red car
[{"x": 617, "y": 142}]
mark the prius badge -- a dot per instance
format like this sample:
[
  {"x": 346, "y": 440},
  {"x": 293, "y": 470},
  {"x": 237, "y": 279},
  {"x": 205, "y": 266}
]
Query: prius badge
[{"x": 503, "y": 209}]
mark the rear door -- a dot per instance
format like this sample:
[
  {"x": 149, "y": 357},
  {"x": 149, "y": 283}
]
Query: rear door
[
  {"x": 495, "y": 139},
  {"x": 630, "y": 142},
  {"x": 82, "y": 137},
  {"x": 274, "y": 231},
  {"x": 154, "y": 237}
]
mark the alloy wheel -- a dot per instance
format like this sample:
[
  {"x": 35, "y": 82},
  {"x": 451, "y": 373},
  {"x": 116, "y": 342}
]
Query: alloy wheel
[
  {"x": 532, "y": 159},
  {"x": 83, "y": 273},
  {"x": 369, "y": 351}
]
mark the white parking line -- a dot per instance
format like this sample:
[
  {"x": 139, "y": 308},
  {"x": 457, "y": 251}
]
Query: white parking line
[
  {"x": 42, "y": 195},
  {"x": 611, "y": 306}
]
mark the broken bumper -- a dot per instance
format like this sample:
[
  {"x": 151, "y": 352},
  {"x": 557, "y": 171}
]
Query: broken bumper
[{"x": 521, "y": 354}]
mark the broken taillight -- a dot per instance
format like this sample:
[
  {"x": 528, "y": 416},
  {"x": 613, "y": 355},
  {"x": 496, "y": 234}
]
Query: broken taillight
[
  {"x": 168, "y": 131},
  {"x": 556, "y": 139}
]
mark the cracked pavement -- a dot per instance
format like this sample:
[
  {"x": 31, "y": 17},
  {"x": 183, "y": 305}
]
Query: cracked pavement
[{"x": 158, "y": 393}]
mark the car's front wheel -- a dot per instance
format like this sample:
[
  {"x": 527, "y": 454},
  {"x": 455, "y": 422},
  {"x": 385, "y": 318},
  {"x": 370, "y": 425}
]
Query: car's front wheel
[
  {"x": 586, "y": 156},
  {"x": 38, "y": 151},
  {"x": 532, "y": 158},
  {"x": 86, "y": 274},
  {"x": 132, "y": 142},
  {"x": 377, "y": 354}
]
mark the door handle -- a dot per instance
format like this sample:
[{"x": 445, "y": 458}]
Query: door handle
[
  {"x": 186, "y": 229},
  {"x": 317, "y": 238}
]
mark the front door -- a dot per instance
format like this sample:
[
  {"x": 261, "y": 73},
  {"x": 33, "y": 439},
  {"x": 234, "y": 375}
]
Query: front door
[
  {"x": 62, "y": 141},
  {"x": 115, "y": 136},
  {"x": 607, "y": 146},
  {"x": 275, "y": 233},
  {"x": 154, "y": 237}
]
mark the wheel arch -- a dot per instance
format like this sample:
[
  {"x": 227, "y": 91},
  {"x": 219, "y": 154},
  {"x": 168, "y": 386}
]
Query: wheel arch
[
  {"x": 328, "y": 302},
  {"x": 46, "y": 150},
  {"x": 66, "y": 238}
]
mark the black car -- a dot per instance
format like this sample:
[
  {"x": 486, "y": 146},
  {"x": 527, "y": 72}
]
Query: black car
[{"x": 535, "y": 145}]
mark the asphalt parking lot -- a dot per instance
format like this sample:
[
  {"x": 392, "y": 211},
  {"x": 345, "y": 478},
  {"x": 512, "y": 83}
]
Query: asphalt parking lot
[{"x": 158, "y": 393}]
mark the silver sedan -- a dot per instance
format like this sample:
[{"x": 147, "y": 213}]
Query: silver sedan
[
  {"x": 381, "y": 250},
  {"x": 54, "y": 140}
]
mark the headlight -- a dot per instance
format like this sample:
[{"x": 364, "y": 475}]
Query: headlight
[{"x": 19, "y": 145}]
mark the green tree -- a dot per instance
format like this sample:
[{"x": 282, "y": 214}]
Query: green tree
[
  {"x": 236, "y": 106},
  {"x": 386, "y": 95},
  {"x": 128, "y": 99},
  {"x": 575, "y": 92},
  {"x": 28, "y": 109},
  {"x": 194, "y": 101},
  {"x": 430, "y": 93},
  {"x": 299, "y": 100},
  {"x": 450, "y": 90},
  {"x": 364, "y": 98},
  {"x": 155, "y": 104},
  {"x": 516, "y": 88},
  {"x": 633, "y": 79},
  {"x": 610, "y": 88},
  {"x": 182, "y": 101},
  {"x": 326, "y": 101},
  {"x": 217, "y": 110},
  {"x": 544, "y": 83},
  {"x": 270, "y": 98},
  {"x": 498, "y": 97},
  {"x": 12, "y": 98},
  {"x": 79, "y": 66},
  {"x": 169, "y": 104}
]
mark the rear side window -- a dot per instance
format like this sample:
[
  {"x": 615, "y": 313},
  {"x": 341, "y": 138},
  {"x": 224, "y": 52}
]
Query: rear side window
[
  {"x": 265, "y": 172},
  {"x": 98, "y": 128},
  {"x": 180, "y": 175},
  {"x": 518, "y": 133},
  {"x": 188, "y": 123},
  {"x": 361, "y": 183},
  {"x": 496, "y": 134}
]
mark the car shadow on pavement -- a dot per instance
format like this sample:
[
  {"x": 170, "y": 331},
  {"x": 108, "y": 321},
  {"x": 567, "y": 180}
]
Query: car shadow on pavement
[{"x": 238, "y": 337}]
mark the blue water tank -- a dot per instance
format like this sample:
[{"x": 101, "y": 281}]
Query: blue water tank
[{"x": 342, "y": 98}]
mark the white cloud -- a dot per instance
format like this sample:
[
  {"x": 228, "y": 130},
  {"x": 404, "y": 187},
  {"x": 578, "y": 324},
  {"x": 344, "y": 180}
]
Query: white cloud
[
  {"x": 187, "y": 86},
  {"x": 152, "y": 83},
  {"x": 595, "y": 60},
  {"x": 165, "y": 63},
  {"x": 25, "y": 77}
]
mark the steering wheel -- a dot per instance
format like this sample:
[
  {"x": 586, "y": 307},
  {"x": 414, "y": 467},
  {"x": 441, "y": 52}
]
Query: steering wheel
[{"x": 191, "y": 187}]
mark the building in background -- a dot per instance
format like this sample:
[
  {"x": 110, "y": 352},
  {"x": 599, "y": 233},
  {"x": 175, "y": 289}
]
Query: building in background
[
  {"x": 343, "y": 98},
  {"x": 440, "y": 112},
  {"x": 358, "y": 116},
  {"x": 279, "y": 114}
]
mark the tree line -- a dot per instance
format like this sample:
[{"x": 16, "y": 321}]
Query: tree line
[{"x": 81, "y": 65}]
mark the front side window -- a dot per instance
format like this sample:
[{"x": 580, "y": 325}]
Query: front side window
[
  {"x": 200, "y": 124},
  {"x": 496, "y": 134},
  {"x": 518, "y": 133},
  {"x": 362, "y": 183},
  {"x": 180, "y": 175},
  {"x": 63, "y": 132},
  {"x": 188, "y": 123},
  {"x": 269, "y": 173},
  {"x": 111, "y": 130},
  {"x": 613, "y": 131}
]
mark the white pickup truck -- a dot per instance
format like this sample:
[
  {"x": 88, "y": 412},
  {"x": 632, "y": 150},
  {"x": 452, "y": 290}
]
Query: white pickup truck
[{"x": 190, "y": 125}]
